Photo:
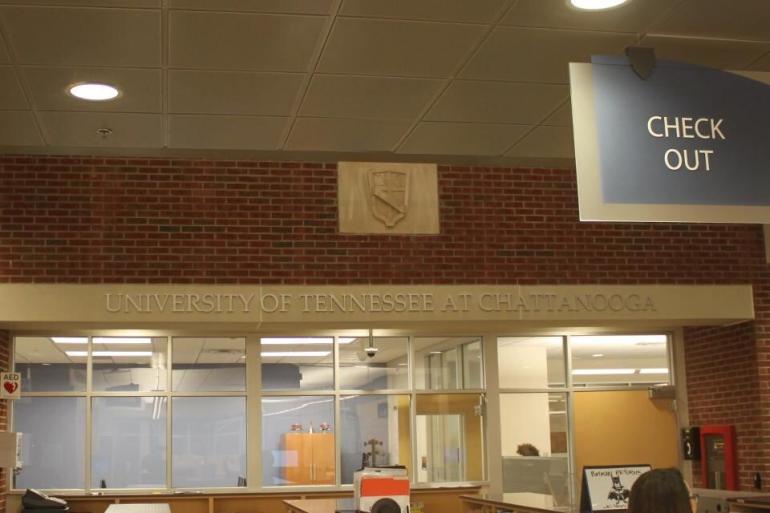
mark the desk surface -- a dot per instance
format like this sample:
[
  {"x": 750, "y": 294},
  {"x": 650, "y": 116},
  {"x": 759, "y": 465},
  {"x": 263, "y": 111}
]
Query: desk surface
[
  {"x": 520, "y": 501},
  {"x": 138, "y": 508},
  {"x": 319, "y": 505}
]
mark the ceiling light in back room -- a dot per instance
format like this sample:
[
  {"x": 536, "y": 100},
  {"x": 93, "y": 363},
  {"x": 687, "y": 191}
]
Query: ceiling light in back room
[
  {"x": 596, "y": 5},
  {"x": 93, "y": 92}
]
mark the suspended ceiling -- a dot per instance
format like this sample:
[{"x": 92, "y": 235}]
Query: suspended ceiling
[{"x": 435, "y": 80}]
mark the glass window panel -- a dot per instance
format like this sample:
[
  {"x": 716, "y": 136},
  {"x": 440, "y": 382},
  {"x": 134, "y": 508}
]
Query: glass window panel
[
  {"x": 129, "y": 364},
  {"x": 297, "y": 363},
  {"x": 362, "y": 369},
  {"x": 53, "y": 441},
  {"x": 46, "y": 366},
  {"x": 448, "y": 363},
  {"x": 619, "y": 360},
  {"x": 531, "y": 362},
  {"x": 449, "y": 438},
  {"x": 208, "y": 364},
  {"x": 375, "y": 431},
  {"x": 129, "y": 442},
  {"x": 209, "y": 441},
  {"x": 298, "y": 440},
  {"x": 534, "y": 444}
]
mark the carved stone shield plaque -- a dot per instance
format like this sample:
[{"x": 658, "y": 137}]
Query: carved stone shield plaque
[{"x": 389, "y": 195}]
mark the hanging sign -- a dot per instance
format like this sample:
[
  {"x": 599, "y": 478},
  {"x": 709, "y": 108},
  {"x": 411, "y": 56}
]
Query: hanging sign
[
  {"x": 11, "y": 387},
  {"x": 608, "y": 488},
  {"x": 686, "y": 144}
]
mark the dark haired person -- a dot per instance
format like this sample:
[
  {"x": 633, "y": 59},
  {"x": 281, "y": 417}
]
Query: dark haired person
[{"x": 660, "y": 491}]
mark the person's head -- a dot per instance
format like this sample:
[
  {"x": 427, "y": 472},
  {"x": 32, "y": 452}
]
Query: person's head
[{"x": 660, "y": 491}]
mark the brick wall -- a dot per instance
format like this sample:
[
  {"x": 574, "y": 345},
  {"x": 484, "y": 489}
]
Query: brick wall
[{"x": 123, "y": 220}]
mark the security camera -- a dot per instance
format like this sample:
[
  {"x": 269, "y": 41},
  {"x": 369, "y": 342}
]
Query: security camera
[{"x": 371, "y": 351}]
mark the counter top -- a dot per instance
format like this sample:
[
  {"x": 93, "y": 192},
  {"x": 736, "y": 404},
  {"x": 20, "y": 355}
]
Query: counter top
[
  {"x": 318, "y": 505},
  {"x": 520, "y": 501}
]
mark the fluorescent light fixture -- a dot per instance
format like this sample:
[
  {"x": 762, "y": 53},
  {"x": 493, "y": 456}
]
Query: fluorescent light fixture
[
  {"x": 94, "y": 92},
  {"x": 70, "y": 340},
  {"x": 122, "y": 340},
  {"x": 304, "y": 341},
  {"x": 597, "y": 355},
  {"x": 596, "y": 5},
  {"x": 660, "y": 370},
  {"x": 602, "y": 372},
  {"x": 269, "y": 354},
  {"x": 617, "y": 340},
  {"x": 110, "y": 353}
]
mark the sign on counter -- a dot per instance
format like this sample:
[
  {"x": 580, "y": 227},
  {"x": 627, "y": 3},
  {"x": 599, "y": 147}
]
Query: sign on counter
[{"x": 608, "y": 488}]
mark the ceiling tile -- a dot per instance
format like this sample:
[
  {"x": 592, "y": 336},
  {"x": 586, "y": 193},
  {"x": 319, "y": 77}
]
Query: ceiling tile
[
  {"x": 11, "y": 95},
  {"x": 229, "y": 41},
  {"x": 140, "y": 88},
  {"x": 17, "y": 128},
  {"x": 477, "y": 11},
  {"x": 561, "y": 117},
  {"x": 743, "y": 19},
  {"x": 89, "y": 37},
  {"x": 224, "y": 92},
  {"x": 4, "y": 59},
  {"x": 761, "y": 64},
  {"x": 324, "y": 134},
  {"x": 635, "y": 16},
  {"x": 90, "y": 3},
  {"x": 225, "y": 132},
  {"x": 78, "y": 129},
  {"x": 368, "y": 97},
  {"x": 545, "y": 141},
  {"x": 461, "y": 139},
  {"x": 398, "y": 48},
  {"x": 536, "y": 55},
  {"x": 267, "y": 6},
  {"x": 718, "y": 54},
  {"x": 497, "y": 102}
]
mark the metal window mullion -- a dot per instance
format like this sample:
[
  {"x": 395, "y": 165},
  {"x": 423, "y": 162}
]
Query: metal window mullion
[
  {"x": 412, "y": 407},
  {"x": 571, "y": 471},
  {"x": 336, "y": 412},
  {"x": 253, "y": 414},
  {"x": 169, "y": 415},
  {"x": 89, "y": 416}
]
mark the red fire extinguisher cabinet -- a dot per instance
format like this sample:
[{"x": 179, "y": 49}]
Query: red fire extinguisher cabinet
[{"x": 719, "y": 466}]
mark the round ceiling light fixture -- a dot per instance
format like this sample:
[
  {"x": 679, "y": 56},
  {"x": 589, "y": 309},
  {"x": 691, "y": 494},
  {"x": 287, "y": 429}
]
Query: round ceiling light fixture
[
  {"x": 596, "y": 5},
  {"x": 93, "y": 92}
]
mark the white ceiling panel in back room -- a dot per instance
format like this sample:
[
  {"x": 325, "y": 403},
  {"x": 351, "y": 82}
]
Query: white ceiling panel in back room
[
  {"x": 431, "y": 138},
  {"x": 226, "y": 92},
  {"x": 476, "y": 11},
  {"x": 84, "y": 37},
  {"x": 140, "y": 88},
  {"x": 225, "y": 132},
  {"x": 346, "y": 96},
  {"x": 397, "y": 48},
  {"x": 730, "y": 19},
  {"x": 79, "y": 129},
  {"x": 707, "y": 52},
  {"x": 263, "y": 6},
  {"x": 635, "y": 16},
  {"x": 349, "y": 135},
  {"x": 497, "y": 102},
  {"x": 11, "y": 95},
  {"x": 545, "y": 141},
  {"x": 537, "y": 55},
  {"x": 242, "y": 41},
  {"x": 17, "y": 128}
]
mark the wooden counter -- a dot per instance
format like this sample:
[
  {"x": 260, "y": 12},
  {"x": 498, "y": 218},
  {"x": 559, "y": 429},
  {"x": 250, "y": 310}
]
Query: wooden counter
[
  {"x": 522, "y": 502},
  {"x": 318, "y": 505}
]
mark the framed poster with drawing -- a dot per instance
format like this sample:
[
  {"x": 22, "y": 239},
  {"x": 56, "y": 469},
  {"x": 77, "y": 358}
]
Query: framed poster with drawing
[{"x": 607, "y": 488}]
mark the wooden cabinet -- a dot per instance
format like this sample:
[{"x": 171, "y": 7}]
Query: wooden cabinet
[{"x": 309, "y": 458}]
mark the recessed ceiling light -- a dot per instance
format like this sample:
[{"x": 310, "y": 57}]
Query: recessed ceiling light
[
  {"x": 597, "y": 355},
  {"x": 275, "y": 354},
  {"x": 94, "y": 92},
  {"x": 70, "y": 340},
  {"x": 596, "y": 5},
  {"x": 602, "y": 372}
]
